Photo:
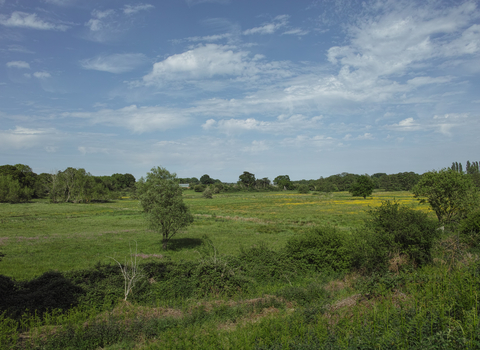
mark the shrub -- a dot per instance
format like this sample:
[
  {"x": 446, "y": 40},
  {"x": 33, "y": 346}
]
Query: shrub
[
  {"x": 265, "y": 264},
  {"x": 393, "y": 231},
  {"x": 469, "y": 228},
  {"x": 323, "y": 248},
  {"x": 208, "y": 193},
  {"x": 303, "y": 189},
  {"x": 199, "y": 188}
]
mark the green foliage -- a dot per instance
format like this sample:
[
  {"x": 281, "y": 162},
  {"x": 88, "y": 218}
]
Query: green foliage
[
  {"x": 199, "y": 188},
  {"x": 208, "y": 193},
  {"x": 397, "y": 182},
  {"x": 362, "y": 187},
  {"x": 303, "y": 189},
  {"x": 161, "y": 199},
  {"x": 393, "y": 231},
  {"x": 322, "y": 248},
  {"x": 469, "y": 228},
  {"x": 75, "y": 185},
  {"x": 206, "y": 180},
  {"x": 247, "y": 179},
  {"x": 266, "y": 265},
  {"x": 451, "y": 194},
  {"x": 312, "y": 293},
  {"x": 283, "y": 182},
  {"x": 11, "y": 191}
]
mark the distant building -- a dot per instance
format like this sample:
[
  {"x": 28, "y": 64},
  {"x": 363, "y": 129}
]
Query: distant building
[{"x": 184, "y": 185}]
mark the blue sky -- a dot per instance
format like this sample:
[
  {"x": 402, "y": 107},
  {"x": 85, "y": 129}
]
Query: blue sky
[{"x": 218, "y": 87}]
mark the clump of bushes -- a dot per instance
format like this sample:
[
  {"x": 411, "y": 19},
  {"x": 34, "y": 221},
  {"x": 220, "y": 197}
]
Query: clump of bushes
[
  {"x": 199, "y": 188},
  {"x": 469, "y": 228},
  {"x": 393, "y": 233},
  {"x": 323, "y": 248},
  {"x": 304, "y": 189},
  {"x": 208, "y": 193}
]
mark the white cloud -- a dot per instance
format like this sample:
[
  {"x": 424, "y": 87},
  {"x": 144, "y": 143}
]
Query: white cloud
[
  {"x": 96, "y": 24},
  {"x": 211, "y": 60},
  {"x": 407, "y": 124},
  {"x": 269, "y": 28},
  {"x": 116, "y": 63},
  {"x": 41, "y": 75},
  {"x": 296, "y": 31},
  {"x": 132, "y": 9},
  {"x": 137, "y": 119},
  {"x": 418, "y": 81},
  {"x": 29, "y": 20},
  {"x": 24, "y": 138},
  {"x": 282, "y": 125},
  {"x": 18, "y": 64}
]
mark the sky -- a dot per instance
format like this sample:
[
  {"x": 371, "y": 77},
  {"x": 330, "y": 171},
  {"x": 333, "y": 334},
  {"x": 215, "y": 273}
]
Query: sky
[{"x": 219, "y": 87}]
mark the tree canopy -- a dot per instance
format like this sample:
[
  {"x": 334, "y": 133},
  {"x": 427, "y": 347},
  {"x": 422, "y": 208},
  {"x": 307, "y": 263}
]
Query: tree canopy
[
  {"x": 450, "y": 193},
  {"x": 363, "y": 187},
  {"x": 247, "y": 179},
  {"x": 283, "y": 181}
]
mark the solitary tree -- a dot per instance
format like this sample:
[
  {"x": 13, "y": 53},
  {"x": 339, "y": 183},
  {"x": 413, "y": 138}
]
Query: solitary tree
[
  {"x": 161, "y": 199},
  {"x": 363, "y": 187},
  {"x": 450, "y": 193}
]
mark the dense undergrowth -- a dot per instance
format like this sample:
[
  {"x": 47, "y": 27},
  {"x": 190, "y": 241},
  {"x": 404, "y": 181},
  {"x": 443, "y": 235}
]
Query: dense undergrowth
[{"x": 396, "y": 283}]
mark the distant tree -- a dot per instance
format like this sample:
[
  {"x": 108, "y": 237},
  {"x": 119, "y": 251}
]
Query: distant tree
[
  {"x": 451, "y": 194},
  {"x": 161, "y": 199},
  {"x": 363, "y": 187},
  {"x": 206, "y": 180},
  {"x": 75, "y": 185},
  {"x": 283, "y": 182},
  {"x": 247, "y": 179},
  {"x": 12, "y": 191}
]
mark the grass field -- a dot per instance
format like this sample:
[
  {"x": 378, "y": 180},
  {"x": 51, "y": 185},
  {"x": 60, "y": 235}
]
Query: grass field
[
  {"x": 38, "y": 237},
  {"x": 190, "y": 300}
]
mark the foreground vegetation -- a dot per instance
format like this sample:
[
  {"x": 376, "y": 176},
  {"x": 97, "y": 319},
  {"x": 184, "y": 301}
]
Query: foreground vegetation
[{"x": 254, "y": 271}]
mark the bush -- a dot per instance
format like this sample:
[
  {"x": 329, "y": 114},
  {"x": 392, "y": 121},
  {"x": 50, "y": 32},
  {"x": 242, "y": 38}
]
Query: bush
[
  {"x": 199, "y": 188},
  {"x": 266, "y": 265},
  {"x": 208, "y": 193},
  {"x": 393, "y": 232},
  {"x": 303, "y": 189},
  {"x": 469, "y": 228},
  {"x": 323, "y": 248}
]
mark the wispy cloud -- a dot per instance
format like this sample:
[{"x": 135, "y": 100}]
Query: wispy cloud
[
  {"x": 269, "y": 28},
  {"x": 18, "y": 64},
  {"x": 116, "y": 63},
  {"x": 296, "y": 31},
  {"x": 29, "y": 20},
  {"x": 132, "y": 9},
  {"x": 42, "y": 75},
  {"x": 137, "y": 119}
]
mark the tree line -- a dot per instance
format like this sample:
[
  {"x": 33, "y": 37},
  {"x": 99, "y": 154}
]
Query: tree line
[{"x": 18, "y": 183}]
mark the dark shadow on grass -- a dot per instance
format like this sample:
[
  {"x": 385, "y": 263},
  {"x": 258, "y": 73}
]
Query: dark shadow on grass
[{"x": 177, "y": 244}]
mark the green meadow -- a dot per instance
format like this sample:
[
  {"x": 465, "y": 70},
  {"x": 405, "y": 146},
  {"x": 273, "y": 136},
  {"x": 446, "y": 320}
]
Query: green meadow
[
  {"x": 39, "y": 236},
  {"x": 225, "y": 282}
]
